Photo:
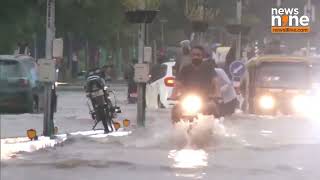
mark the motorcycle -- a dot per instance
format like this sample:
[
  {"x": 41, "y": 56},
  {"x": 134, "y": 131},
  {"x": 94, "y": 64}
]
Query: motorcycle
[
  {"x": 99, "y": 101},
  {"x": 191, "y": 108},
  {"x": 193, "y": 119}
]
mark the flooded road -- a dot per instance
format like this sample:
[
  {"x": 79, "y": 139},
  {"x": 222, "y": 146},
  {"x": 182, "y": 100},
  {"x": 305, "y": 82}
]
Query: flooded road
[{"x": 245, "y": 147}]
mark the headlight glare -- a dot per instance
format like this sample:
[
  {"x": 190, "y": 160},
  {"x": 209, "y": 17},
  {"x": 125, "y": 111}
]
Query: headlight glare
[
  {"x": 300, "y": 103},
  {"x": 267, "y": 102},
  {"x": 191, "y": 104}
]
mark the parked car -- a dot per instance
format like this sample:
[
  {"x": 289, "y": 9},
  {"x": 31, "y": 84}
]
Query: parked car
[
  {"x": 20, "y": 91},
  {"x": 160, "y": 86}
]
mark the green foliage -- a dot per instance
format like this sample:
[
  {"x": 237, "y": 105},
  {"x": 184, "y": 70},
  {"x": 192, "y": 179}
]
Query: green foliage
[
  {"x": 95, "y": 20},
  {"x": 100, "y": 21},
  {"x": 15, "y": 23}
]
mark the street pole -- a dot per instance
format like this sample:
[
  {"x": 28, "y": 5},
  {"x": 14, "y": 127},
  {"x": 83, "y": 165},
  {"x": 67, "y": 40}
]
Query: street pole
[
  {"x": 119, "y": 58},
  {"x": 87, "y": 55},
  {"x": 48, "y": 125},
  {"x": 279, "y": 3},
  {"x": 147, "y": 38},
  {"x": 35, "y": 48},
  {"x": 239, "y": 15},
  {"x": 141, "y": 112},
  {"x": 308, "y": 47},
  {"x": 309, "y": 12},
  {"x": 154, "y": 61},
  {"x": 162, "y": 34},
  {"x": 205, "y": 6},
  {"x": 163, "y": 22}
]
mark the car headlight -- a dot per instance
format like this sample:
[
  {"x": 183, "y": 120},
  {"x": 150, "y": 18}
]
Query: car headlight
[
  {"x": 266, "y": 102},
  {"x": 191, "y": 104},
  {"x": 300, "y": 103}
]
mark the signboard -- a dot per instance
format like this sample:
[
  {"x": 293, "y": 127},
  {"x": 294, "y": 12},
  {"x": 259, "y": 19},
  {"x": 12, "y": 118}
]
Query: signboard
[
  {"x": 57, "y": 51},
  {"x": 47, "y": 71},
  {"x": 148, "y": 54},
  {"x": 141, "y": 73},
  {"x": 237, "y": 69}
]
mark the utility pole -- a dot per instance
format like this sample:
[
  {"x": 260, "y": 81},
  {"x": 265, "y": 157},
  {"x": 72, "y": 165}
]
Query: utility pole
[
  {"x": 239, "y": 15},
  {"x": 141, "y": 109},
  {"x": 205, "y": 18},
  {"x": 310, "y": 12},
  {"x": 279, "y": 3},
  {"x": 163, "y": 22},
  {"x": 35, "y": 48},
  {"x": 48, "y": 124},
  {"x": 119, "y": 57},
  {"x": 147, "y": 37}
]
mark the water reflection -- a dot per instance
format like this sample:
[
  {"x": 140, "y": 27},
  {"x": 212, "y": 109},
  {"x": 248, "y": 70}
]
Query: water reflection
[{"x": 189, "y": 162}]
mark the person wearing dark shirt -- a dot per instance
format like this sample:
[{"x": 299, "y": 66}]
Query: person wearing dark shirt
[
  {"x": 132, "y": 85},
  {"x": 199, "y": 76}
]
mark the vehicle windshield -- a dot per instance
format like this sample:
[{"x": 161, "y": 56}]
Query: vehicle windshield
[
  {"x": 283, "y": 75},
  {"x": 9, "y": 70}
]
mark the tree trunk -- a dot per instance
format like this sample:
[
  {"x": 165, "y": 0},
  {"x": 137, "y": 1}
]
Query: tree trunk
[
  {"x": 87, "y": 55},
  {"x": 70, "y": 52},
  {"x": 93, "y": 56}
]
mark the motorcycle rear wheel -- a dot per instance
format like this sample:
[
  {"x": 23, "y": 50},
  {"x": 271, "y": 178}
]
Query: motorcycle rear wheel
[{"x": 102, "y": 116}]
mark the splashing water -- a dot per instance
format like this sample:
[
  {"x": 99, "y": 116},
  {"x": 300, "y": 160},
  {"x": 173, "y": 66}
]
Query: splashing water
[{"x": 198, "y": 133}]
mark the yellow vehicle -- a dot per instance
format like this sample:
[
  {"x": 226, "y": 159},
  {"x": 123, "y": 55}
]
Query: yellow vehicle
[{"x": 274, "y": 84}]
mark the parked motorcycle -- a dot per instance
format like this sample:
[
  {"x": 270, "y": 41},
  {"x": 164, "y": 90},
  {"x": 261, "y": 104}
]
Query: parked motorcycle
[{"x": 99, "y": 100}]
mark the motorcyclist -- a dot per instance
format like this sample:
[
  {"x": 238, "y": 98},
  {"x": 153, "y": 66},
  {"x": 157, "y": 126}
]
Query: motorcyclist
[
  {"x": 228, "y": 93},
  {"x": 199, "y": 77},
  {"x": 100, "y": 83}
]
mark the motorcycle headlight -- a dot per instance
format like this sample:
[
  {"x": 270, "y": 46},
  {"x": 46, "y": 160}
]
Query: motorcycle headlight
[
  {"x": 300, "y": 103},
  {"x": 266, "y": 102},
  {"x": 191, "y": 104}
]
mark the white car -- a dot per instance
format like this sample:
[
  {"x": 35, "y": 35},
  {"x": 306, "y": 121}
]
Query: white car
[{"x": 160, "y": 86}]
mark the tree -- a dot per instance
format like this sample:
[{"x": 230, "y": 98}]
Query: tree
[{"x": 17, "y": 22}]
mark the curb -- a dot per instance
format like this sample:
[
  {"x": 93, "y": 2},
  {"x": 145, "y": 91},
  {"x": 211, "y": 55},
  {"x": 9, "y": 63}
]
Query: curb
[{"x": 11, "y": 146}]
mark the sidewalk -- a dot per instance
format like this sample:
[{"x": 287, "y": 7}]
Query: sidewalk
[{"x": 11, "y": 147}]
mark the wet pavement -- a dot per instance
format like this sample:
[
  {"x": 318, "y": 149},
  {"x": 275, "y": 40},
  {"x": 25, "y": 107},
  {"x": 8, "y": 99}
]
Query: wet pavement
[{"x": 243, "y": 147}]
